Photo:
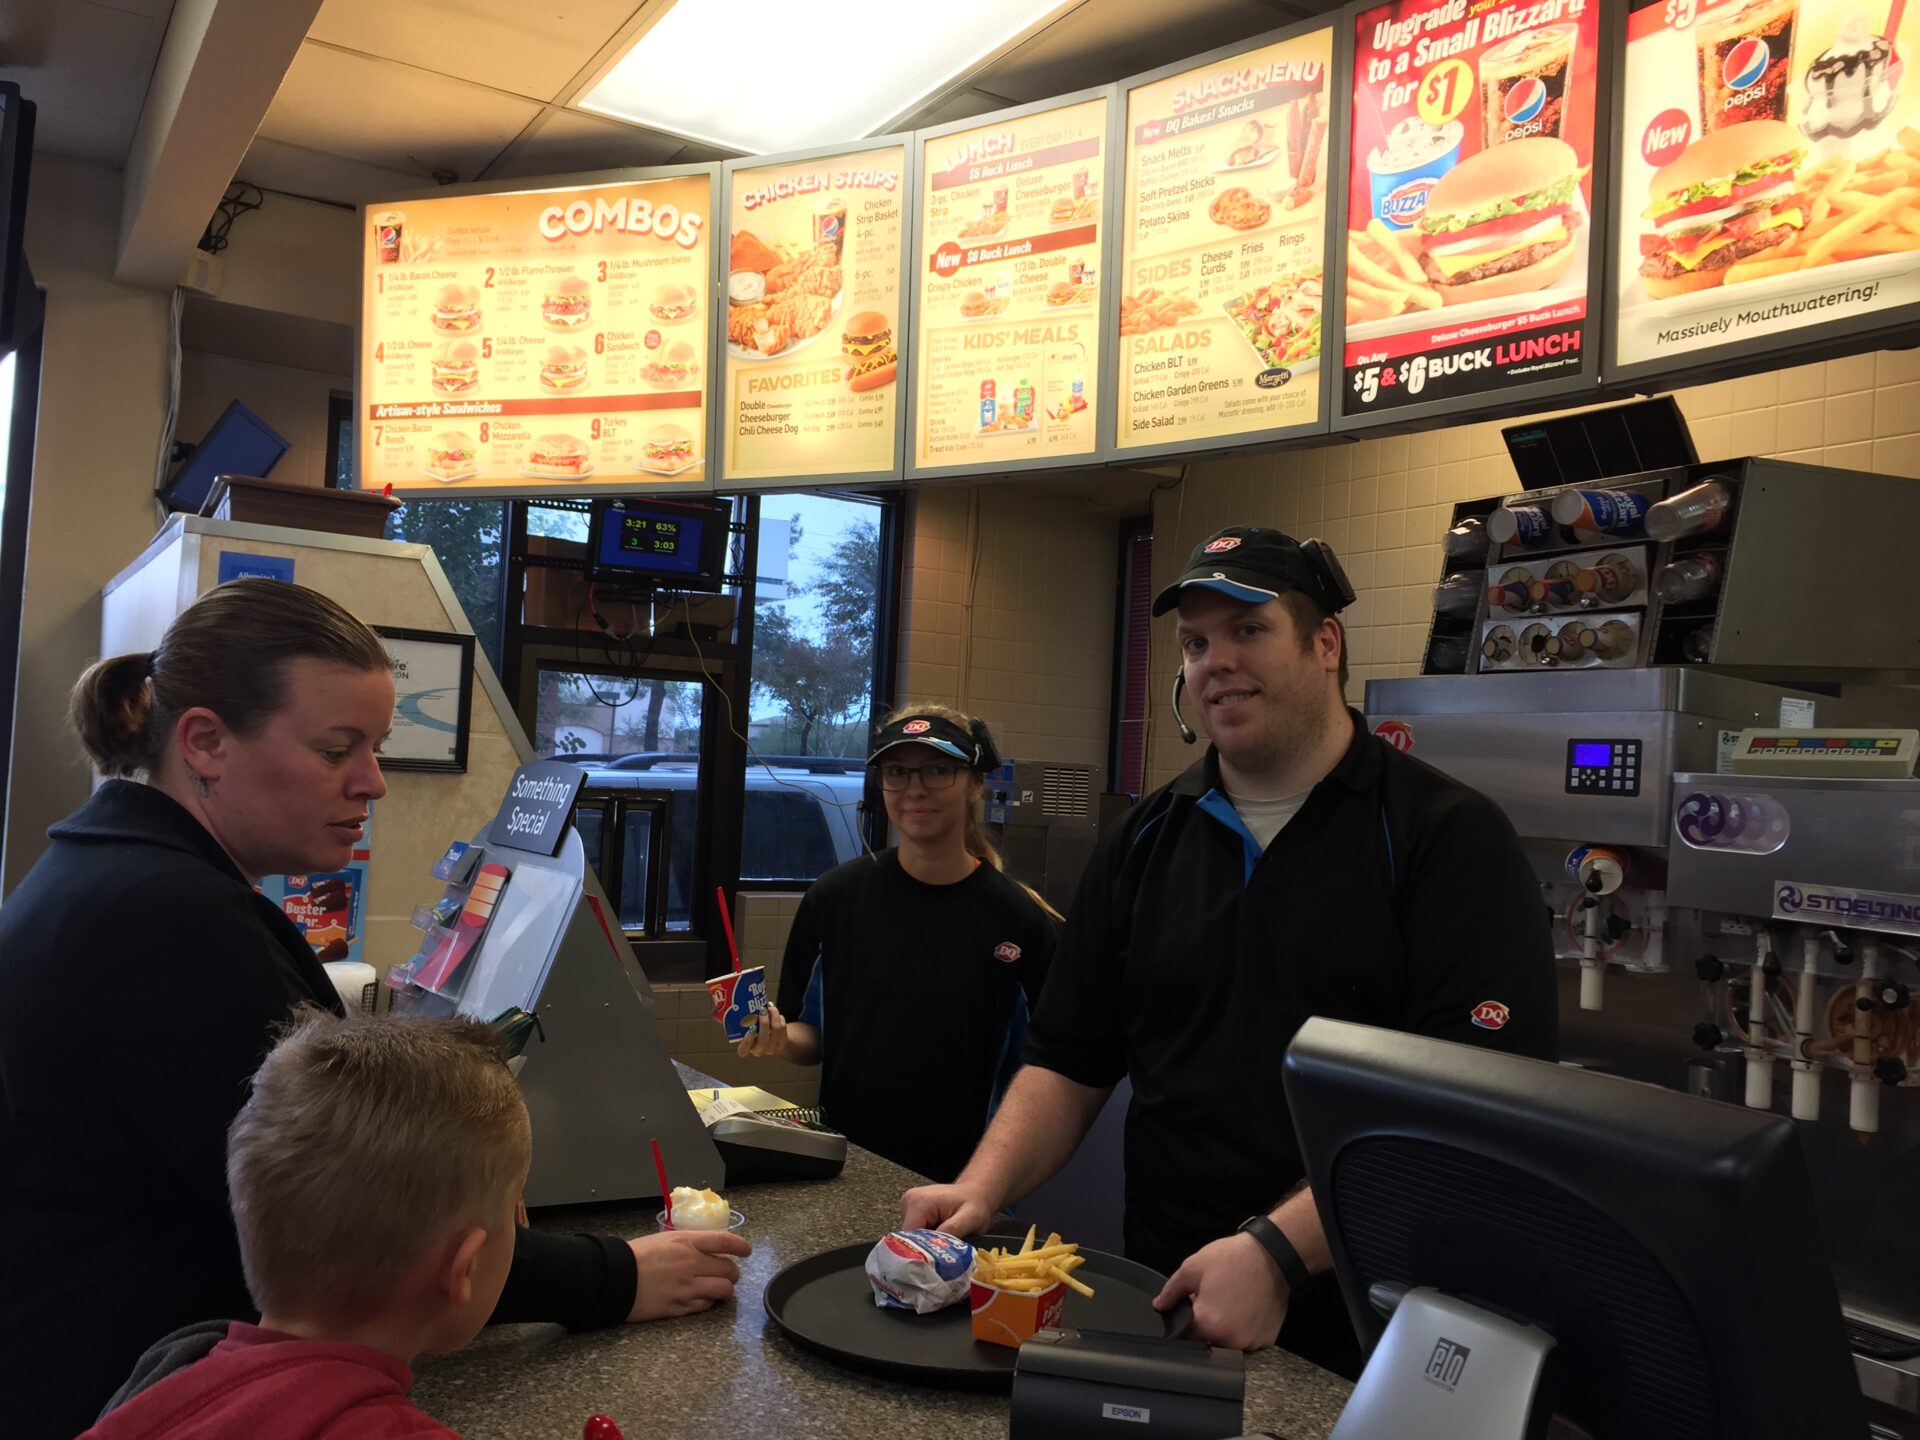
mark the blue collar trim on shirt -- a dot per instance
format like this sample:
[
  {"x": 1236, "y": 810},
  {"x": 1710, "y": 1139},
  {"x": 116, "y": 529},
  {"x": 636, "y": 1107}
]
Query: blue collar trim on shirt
[{"x": 1216, "y": 804}]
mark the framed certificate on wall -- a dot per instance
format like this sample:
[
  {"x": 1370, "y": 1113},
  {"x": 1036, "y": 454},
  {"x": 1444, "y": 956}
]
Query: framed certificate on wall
[{"x": 432, "y": 699}]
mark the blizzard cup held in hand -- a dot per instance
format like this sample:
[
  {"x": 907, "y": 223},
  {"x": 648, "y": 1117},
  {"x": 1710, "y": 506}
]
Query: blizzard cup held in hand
[
  {"x": 1611, "y": 512},
  {"x": 739, "y": 1000}
]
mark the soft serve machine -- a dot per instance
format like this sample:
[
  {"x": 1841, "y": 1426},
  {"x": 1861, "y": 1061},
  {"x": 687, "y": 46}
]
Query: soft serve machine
[{"x": 1687, "y": 686}]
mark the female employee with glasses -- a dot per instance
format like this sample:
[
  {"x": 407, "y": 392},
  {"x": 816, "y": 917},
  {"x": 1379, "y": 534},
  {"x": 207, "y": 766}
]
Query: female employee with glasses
[{"x": 911, "y": 971}]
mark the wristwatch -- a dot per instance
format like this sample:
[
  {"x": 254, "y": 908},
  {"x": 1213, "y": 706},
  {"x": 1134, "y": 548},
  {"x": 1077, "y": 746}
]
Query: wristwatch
[{"x": 1292, "y": 1268}]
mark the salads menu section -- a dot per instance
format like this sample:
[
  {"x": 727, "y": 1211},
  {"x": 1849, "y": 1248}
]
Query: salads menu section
[
  {"x": 1007, "y": 324},
  {"x": 511, "y": 342},
  {"x": 1769, "y": 174},
  {"x": 1469, "y": 201},
  {"x": 1224, "y": 246},
  {"x": 814, "y": 318}
]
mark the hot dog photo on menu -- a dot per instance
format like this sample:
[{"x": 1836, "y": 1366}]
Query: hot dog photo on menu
[
  {"x": 1770, "y": 171},
  {"x": 1470, "y": 200},
  {"x": 555, "y": 336},
  {"x": 813, "y": 296}
]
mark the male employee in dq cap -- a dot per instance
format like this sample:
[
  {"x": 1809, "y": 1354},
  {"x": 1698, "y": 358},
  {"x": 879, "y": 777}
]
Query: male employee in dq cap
[{"x": 1301, "y": 867}]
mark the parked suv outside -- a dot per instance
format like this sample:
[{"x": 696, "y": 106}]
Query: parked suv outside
[{"x": 801, "y": 818}]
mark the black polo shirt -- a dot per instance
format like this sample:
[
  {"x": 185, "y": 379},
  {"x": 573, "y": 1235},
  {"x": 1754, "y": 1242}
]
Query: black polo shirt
[{"x": 1395, "y": 897}]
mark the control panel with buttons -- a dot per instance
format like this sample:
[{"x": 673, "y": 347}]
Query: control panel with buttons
[{"x": 1603, "y": 767}]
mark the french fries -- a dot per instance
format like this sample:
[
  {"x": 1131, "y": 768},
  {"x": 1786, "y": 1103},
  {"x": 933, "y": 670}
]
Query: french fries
[
  {"x": 1384, "y": 278},
  {"x": 1854, "y": 209},
  {"x": 1031, "y": 1267}
]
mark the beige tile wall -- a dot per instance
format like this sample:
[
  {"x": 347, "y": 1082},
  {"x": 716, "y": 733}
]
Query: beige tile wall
[{"x": 1383, "y": 504}]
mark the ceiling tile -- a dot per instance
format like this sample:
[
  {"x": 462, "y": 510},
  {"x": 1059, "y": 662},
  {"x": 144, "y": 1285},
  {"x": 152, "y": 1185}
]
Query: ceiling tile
[
  {"x": 296, "y": 170},
  {"x": 393, "y": 115},
  {"x": 527, "y": 47},
  {"x": 1110, "y": 39},
  {"x": 565, "y": 141},
  {"x": 86, "y": 66}
]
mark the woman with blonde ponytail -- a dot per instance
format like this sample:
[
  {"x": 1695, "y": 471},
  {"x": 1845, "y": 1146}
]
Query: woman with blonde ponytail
[
  {"x": 142, "y": 980},
  {"x": 910, "y": 974}
]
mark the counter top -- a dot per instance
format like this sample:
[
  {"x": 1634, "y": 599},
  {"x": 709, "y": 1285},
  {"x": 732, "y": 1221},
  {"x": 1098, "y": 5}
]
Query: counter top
[{"x": 732, "y": 1372}]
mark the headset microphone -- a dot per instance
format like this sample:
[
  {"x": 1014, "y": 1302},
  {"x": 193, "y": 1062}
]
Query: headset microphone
[{"x": 1179, "y": 686}]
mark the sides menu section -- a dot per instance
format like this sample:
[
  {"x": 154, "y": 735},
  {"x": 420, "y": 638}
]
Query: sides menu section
[
  {"x": 1007, "y": 327},
  {"x": 540, "y": 339}
]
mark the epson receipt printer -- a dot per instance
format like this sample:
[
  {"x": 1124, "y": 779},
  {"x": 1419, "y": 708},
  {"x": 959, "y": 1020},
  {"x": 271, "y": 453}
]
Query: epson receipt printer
[{"x": 1078, "y": 1382}]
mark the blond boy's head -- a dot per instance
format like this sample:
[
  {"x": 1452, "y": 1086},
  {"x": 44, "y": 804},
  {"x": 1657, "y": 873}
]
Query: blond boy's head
[{"x": 377, "y": 1169}]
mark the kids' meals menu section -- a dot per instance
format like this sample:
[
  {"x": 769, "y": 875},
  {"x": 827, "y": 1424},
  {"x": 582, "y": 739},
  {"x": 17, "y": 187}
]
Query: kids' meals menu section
[
  {"x": 1769, "y": 173},
  {"x": 1008, "y": 324},
  {"x": 1469, "y": 209},
  {"x": 1224, "y": 246},
  {"x": 551, "y": 338},
  {"x": 813, "y": 316}
]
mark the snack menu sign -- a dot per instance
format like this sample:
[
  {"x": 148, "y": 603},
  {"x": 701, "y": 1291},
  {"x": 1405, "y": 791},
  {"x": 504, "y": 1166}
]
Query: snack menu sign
[
  {"x": 1769, "y": 174},
  {"x": 1223, "y": 247},
  {"x": 814, "y": 318},
  {"x": 1470, "y": 240},
  {"x": 1007, "y": 317},
  {"x": 515, "y": 343}
]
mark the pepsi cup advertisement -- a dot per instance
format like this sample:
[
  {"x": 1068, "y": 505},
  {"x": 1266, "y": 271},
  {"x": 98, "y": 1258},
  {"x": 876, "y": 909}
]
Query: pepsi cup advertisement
[
  {"x": 1769, "y": 177},
  {"x": 1469, "y": 203}
]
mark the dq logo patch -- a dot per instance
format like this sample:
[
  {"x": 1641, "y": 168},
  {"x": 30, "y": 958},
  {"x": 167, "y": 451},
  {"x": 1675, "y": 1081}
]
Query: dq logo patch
[
  {"x": 1006, "y": 951},
  {"x": 1222, "y": 545},
  {"x": 1396, "y": 733},
  {"x": 1491, "y": 1015},
  {"x": 916, "y": 727}
]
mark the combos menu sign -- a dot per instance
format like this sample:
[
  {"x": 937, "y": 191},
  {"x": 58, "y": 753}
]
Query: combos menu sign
[
  {"x": 813, "y": 320},
  {"x": 1224, "y": 246},
  {"x": 1007, "y": 324},
  {"x": 1769, "y": 172},
  {"x": 511, "y": 342},
  {"x": 1469, "y": 200}
]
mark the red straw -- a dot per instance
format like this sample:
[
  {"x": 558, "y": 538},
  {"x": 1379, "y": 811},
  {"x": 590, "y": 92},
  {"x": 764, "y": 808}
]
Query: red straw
[
  {"x": 726, "y": 923},
  {"x": 666, "y": 1195}
]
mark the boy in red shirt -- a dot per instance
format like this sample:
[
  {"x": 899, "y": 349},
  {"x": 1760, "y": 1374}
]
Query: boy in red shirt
[{"x": 375, "y": 1174}]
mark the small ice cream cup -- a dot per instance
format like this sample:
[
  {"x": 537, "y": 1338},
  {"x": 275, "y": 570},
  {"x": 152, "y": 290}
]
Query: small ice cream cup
[{"x": 739, "y": 1000}]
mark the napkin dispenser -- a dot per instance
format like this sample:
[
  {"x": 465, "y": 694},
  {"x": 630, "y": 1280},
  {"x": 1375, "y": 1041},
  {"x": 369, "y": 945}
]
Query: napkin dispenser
[{"x": 1068, "y": 1383}]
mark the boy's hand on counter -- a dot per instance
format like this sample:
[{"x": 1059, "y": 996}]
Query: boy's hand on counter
[
  {"x": 944, "y": 1207},
  {"x": 683, "y": 1272},
  {"x": 1237, "y": 1303}
]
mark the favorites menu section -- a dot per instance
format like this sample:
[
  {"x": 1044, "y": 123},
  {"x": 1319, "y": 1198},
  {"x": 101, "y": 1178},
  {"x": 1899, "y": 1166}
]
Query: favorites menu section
[
  {"x": 550, "y": 337},
  {"x": 1008, "y": 322}
]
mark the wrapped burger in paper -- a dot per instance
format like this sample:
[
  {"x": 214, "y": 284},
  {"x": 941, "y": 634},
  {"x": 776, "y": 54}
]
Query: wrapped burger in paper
[{"x": 919, "y": 1270}]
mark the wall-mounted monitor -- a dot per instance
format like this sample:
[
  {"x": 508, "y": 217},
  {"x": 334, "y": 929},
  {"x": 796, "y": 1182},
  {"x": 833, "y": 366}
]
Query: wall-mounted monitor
[
  {"x": 16, "y": 155},
  {"x": 238, "y": 443},
  {"x": 659, "y": 544}
]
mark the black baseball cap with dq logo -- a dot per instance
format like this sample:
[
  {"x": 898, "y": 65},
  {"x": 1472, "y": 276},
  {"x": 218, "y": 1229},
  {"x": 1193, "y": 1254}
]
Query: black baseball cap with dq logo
[
  {"x": 972, "y": 747},
  {"x": 1254, "y": 564}
]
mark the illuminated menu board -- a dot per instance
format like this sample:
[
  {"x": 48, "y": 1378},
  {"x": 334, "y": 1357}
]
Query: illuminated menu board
[
  {"x": 814, "y": 321},
  {"x": 1224, "y": 246},
  {"x": 1007, "y": 316},
  {"x": 537, "y": 341},
  {"x": 1470, "y": 247},
  {"x": 1769, "y": 185}
]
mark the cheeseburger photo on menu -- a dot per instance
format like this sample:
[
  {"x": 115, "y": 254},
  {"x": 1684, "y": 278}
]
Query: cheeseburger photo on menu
[
  {"x": 867, "y": 342},
  {"x": 456, "y": 307},
  {"x": 568, "y": 303},
  {"x": 667, "y": 448},
  {"x": 558, "y": 457},
  {"x": 455, "y": 367},
  {"x": 1727, "y": 197},
  {"x": 1501, "y": 222},
  {"x": 564, "y": 369},
  {"x": 671, "y": 301}
]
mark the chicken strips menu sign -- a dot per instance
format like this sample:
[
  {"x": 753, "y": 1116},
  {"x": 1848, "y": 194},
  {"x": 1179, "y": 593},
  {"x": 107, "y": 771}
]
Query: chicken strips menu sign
[
  {"x": 1469, "y": 209},
  {"x": 1769, "y": 172},
  {"x": 1008, "y": 329},
  {"x": 813, "y": 316},
  {"x": 512, "y": 343},
  {"x": 1224, "y": 245}
]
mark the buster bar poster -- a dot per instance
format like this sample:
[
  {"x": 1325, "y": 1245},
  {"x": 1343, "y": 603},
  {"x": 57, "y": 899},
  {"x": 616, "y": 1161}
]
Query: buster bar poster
[
  {"x": 1769, "y": 173},
  {"x": 1470, "y": 198}
]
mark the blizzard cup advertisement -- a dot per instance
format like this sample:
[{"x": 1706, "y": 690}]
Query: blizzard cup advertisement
[
  {"x": 1769, "y": 173},
  {"x": 1223, "y": 246},
  {"x": 1007, "y": 331},
  {"x": 551, "y": 339},
  {"x": 1469, "y": 206},
  {"x": 813, "y": 318}
]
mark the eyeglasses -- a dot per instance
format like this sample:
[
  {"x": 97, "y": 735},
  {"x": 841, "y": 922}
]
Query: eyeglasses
[{"x": 937, "y": 776}]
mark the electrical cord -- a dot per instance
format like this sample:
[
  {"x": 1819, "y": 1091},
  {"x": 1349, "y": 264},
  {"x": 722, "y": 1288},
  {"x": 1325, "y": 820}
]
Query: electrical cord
[{"x": 232, "y": 206}]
